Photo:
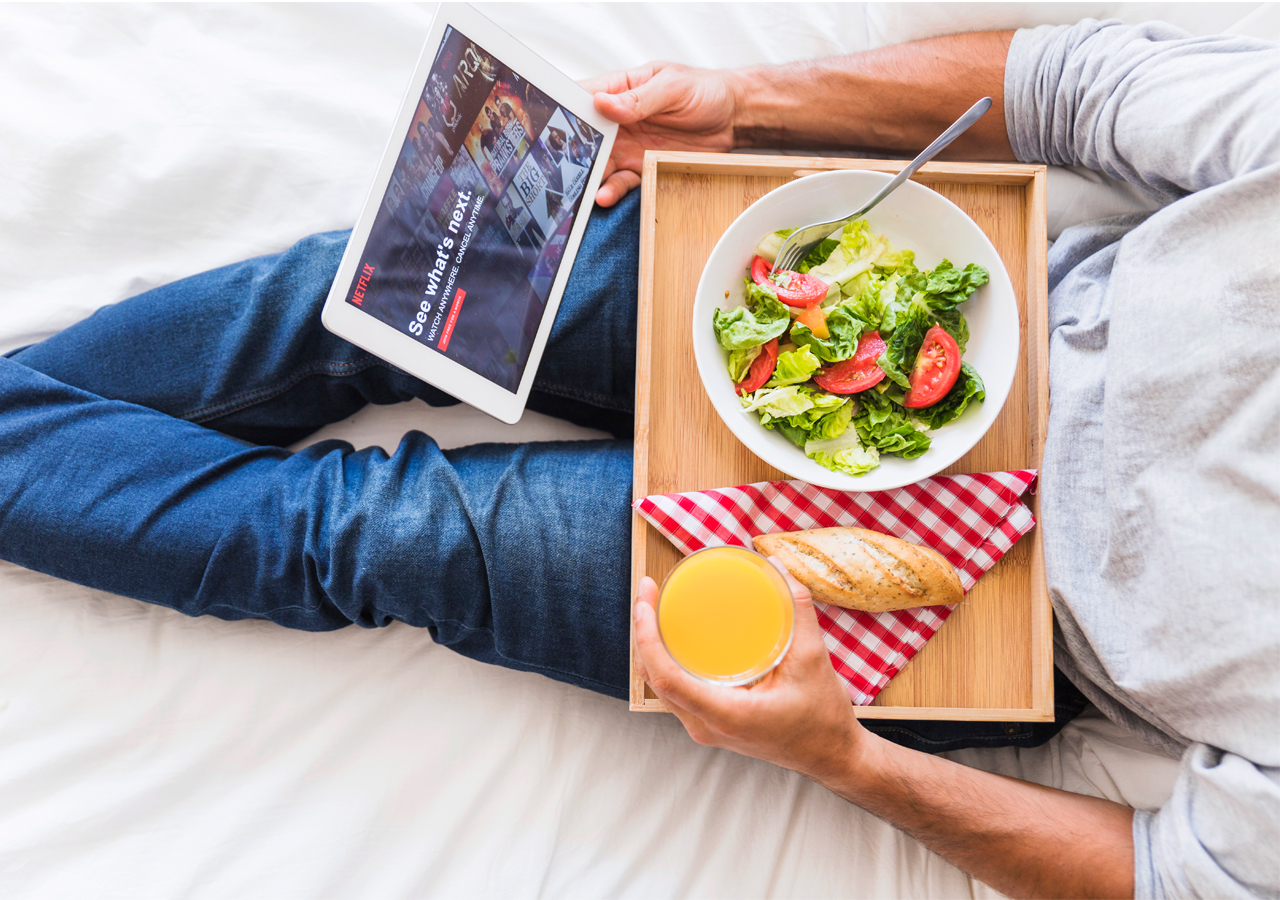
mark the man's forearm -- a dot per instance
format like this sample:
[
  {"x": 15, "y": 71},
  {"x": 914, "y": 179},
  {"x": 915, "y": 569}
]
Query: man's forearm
[
  {"x": 1025, "y": 840},
  {"x": 894, "y": 99}
]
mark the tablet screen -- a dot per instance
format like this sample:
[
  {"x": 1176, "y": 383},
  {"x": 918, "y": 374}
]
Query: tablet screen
[{"x": 473, "y": 225}]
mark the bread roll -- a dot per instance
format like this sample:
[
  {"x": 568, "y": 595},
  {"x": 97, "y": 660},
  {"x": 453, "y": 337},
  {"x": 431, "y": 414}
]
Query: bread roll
[{"x": 860, "y": 569}]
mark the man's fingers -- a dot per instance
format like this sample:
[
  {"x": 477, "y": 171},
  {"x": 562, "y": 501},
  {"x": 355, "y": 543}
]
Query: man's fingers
[
  {"x": 608, "y": 82},
  {"x": 670, "y": 682},
  {"x": 808, "y": 631},
  {"x": 798, "y": 590},
  {"x": 617, "y": 186},
  {"x": 696, "y": 728},
  {"x": 620, "y": 79},
  {"x": 640, "y": 101},
  {"x": 647, "y": 593}
]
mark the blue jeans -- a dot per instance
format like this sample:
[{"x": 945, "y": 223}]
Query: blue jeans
[{"x": 142, "y": 453}]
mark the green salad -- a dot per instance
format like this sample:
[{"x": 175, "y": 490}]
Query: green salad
[{"x": 856, "y": 353}]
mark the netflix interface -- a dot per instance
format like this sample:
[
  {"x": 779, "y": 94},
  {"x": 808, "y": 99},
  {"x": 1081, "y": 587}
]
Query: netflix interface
[{"x": 472, "y": 228}]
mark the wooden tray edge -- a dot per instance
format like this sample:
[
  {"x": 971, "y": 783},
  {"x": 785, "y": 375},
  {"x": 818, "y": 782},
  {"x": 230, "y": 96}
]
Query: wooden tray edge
[
  {"x": 644, "y": 361},
  {"x": 1038, "y": 415},
  {"x": 747, "y": 164},
  {"x": 932, "y": 713}
]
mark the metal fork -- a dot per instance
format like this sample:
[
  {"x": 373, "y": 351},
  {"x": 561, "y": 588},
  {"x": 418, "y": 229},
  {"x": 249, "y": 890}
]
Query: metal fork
[{"x": 801, "y": 242}]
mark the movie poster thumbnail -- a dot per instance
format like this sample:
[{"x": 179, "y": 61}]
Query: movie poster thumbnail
[
  {"x": 541, "y": 186},
  {"x": 500, "y": 135},
  {"x": 514, "y": 214},
  {"x": 462, "y": 77}
]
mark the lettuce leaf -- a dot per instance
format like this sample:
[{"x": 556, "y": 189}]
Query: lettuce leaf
[
  {"x": 843, "y": 454},
  {"x": 763, "y": 318},
  {"x": 794, "y": 367},
  {"x": 913, "y": 321},
  {"x": 854, "y": 287},
  {"x": 809, "y": 419},
  {"x": 823, "y": 404},
  {"x": 796, "y": 410},
  {"x": 895, "y": 260},
  {"x": 795, "y": 435},
  {"x": 854, "y": 461},
  {"x": 953, "y": 323},
  {"x": 818, "y": 255},
  {"x": 968, "y": 387},
  {"x": 770, "y": 244},
  {"x": 895, "y": 434},
  {"x": 740, "y": 362},
  {"x": 889, "y": 428},
  {"x": 858, "y": 251},
  {"x": 834, "y": 424},
  {"x": 777, "y": 402},
  {"x": 869, "y": 305},
  {"x": 946, "y": 286}
]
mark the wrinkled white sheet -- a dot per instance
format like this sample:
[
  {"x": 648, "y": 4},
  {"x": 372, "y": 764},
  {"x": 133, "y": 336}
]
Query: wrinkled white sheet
[{"x": 146, "y": 754}]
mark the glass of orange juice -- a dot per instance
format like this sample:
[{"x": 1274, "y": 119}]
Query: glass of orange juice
[{"x": 726, "y": 615}]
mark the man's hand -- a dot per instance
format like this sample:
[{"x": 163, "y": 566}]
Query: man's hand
[
  {"x": 798, "y": 716},
  {"x": 662, "y": 105},
  {"x": 1022, "y": 839},
  {"x": 895, "y": 99}
]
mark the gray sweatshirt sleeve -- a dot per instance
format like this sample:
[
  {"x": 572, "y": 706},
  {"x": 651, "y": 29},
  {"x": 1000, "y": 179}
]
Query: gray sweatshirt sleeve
[
  {"x": 1148, "y": 105},
  {"x": 1175, "y": 116}
]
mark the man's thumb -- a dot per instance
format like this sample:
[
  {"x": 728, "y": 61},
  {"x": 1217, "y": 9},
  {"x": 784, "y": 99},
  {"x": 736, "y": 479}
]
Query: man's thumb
[
  {"x": 806, "y": 615},
  {"x": 649, "y": 99}
]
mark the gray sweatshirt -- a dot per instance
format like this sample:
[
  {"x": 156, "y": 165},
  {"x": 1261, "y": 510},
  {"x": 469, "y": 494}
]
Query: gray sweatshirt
[{"x": 1161, "y": 474}]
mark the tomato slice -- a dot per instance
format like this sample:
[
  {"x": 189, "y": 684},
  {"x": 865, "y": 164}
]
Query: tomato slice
[
  {"x": 936, "y": 370},
  {"x": 761, "y": 368},
  {"x": 798, "y": 289},
  {"x": 857, "y": 373},
  {"x": 792, "y": 288},
  {"x": 760, "y": 270}
]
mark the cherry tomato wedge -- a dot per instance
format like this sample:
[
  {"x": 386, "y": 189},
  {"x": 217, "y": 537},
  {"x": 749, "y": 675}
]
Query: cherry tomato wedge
[
  {"x": 857, "y": 373},
  {"x": 761, "y": 368},
  {"x": 815, "y": 320},
  {"x": 937, "y": 367},
  {"x": 792, "y": 288}
]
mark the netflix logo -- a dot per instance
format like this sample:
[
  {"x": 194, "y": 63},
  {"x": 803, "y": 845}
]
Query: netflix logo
[{"x": 362, "y": 285}]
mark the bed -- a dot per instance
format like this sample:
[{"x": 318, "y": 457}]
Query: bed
[{"x": 145, "y": 754}]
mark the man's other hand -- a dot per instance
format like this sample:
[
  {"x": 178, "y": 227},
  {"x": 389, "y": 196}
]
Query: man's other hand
[
  {"x": 798, "y": 716},
  {"x": 662, "y": 106}
]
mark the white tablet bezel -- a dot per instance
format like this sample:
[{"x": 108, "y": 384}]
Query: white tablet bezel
[{"x": 398, "y": 348}]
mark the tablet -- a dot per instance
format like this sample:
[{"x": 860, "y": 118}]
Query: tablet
[{"x": 456, "y": 265}]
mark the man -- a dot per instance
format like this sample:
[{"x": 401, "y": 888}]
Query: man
[
  {"x": 1160, "y": 472},
  {"x": 1162, "y": 461}
]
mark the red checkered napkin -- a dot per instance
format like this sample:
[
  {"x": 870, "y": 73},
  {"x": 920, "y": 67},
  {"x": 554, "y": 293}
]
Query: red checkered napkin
[{"x": 972, "y": 520}]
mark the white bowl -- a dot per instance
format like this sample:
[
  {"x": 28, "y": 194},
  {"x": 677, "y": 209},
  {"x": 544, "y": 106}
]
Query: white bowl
[{"x": 912, "y": 217}]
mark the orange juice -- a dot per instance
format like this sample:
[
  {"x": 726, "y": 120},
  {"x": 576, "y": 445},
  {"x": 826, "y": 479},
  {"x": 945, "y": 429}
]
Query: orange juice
[{"x": 726, "y": 615}]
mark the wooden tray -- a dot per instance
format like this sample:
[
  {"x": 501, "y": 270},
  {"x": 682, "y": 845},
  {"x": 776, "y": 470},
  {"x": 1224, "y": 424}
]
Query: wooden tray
[{"x": 993, "y": 658}]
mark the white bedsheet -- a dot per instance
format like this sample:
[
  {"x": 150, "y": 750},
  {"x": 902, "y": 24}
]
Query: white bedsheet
[{"x": 146, "y": 754}]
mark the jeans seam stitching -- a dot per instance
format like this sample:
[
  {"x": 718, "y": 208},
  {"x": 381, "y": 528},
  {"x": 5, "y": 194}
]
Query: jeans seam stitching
[
  {"x": 252, "y": 398},
  {"x": 532, "y": 665},
  {"x": 595, "y": 399}
]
